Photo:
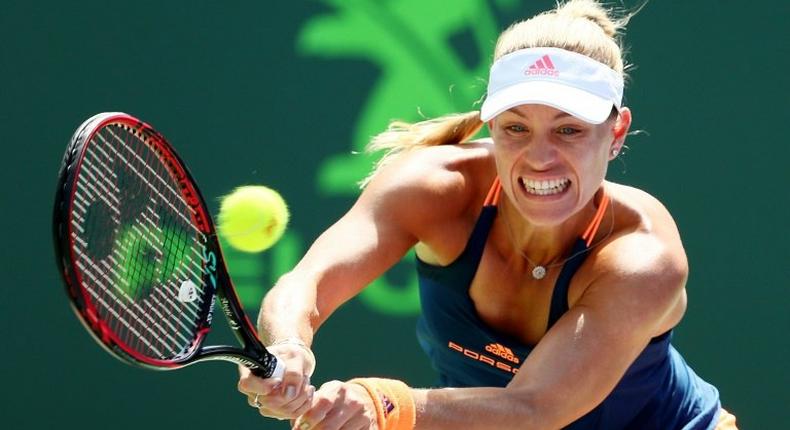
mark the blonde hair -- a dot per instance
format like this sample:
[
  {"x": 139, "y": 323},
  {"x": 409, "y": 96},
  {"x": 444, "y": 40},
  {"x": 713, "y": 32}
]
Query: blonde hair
[{"x": 586, "y": 27}]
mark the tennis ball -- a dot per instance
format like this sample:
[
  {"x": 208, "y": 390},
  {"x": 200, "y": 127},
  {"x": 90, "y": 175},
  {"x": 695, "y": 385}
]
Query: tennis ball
[{"x": 252, "y": 218}]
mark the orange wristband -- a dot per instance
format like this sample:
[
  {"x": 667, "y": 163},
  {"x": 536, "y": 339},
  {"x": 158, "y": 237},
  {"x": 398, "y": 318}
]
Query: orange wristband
[{"x": 394, "y": 403}]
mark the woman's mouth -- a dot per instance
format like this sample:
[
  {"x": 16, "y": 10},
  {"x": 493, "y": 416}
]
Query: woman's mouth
[{"x": 544, "y": 187}]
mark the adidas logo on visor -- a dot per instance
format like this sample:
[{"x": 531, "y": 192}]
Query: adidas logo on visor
[
  {"x": 543, "y": 67},
  {"x": 567, "y": 80}
]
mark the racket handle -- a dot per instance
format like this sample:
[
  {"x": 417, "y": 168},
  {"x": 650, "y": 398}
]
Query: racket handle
[
  {"x": 279, "y": 370},
  {"x": 277, "y": 373}
]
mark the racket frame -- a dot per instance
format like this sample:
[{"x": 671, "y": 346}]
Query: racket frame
[{"x": 253, "y": 354}]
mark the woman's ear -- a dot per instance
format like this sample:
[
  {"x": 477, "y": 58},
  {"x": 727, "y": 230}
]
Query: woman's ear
[
  {"x": 620, "y": 130},
  {"x": 622, "y": 123}
]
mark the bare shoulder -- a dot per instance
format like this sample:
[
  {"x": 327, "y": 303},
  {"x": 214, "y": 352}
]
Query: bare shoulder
[
  {"x": 446, "y": 174},
  {"x": 431, "y": 192},
  {"x": 643, "y": 261},
  {"x": 654, "y": 216},
  {"x": 646, "y": 239},
  {"x": 438, "y": 160}
]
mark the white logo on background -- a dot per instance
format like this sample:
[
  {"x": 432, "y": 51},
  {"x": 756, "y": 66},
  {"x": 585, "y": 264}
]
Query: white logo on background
[{"x": 187, "y": 293}]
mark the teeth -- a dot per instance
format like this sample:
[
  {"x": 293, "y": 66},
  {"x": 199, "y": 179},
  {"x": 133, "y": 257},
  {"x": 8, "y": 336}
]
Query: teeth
[{"x": 544, "y": 187}]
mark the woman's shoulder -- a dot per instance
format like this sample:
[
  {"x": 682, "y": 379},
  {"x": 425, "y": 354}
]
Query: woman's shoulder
[
  {"x": 457, "y": 173},
  {"x": 641, "y": 213},
  {"x": 435, "y": 193},
  {"x": 632, "y": 195},
  {"x": 465, "y": 158},
  {"x": 642, "y": 259},
  {"x": 643, "y": 241}
]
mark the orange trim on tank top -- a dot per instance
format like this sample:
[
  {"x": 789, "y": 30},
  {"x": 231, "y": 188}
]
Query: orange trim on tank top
[{"x": 492, "y": 199}]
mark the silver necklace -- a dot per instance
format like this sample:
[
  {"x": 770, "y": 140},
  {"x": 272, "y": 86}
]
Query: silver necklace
[{"x": 539, "y": 271}]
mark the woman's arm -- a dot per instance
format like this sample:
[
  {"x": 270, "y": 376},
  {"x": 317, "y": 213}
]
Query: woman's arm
[
  {"x": 406, "y": 202},
  {"x": 394, "y": 212},
  {"x": 637, "y": 291},
  {"x": 637, "y": 294}
]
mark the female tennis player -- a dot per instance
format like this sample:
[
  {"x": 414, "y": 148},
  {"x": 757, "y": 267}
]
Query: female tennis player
[{"x": 549, "y": 294}]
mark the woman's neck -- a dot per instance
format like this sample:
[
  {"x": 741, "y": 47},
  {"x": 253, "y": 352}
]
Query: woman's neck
[{"x": 544, "y": 245}]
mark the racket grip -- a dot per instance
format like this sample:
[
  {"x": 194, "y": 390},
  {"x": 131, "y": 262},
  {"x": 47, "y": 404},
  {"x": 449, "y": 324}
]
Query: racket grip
[
  {"x": 279, "y": 370},
  {"x": 277, "y": 373}
]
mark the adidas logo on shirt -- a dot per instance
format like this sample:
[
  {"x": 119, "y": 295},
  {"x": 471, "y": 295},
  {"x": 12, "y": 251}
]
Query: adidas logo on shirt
[{"x": 502, "y": 351}]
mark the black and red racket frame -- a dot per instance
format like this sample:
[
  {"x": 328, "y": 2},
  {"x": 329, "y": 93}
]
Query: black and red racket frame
[{"x": 217, "y": 280}]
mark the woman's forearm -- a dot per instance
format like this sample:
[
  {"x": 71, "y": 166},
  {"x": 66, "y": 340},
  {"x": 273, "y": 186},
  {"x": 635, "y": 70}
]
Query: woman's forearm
[
  {"x": 481, "y": 408},
  {"x": 289, "y": 311}
]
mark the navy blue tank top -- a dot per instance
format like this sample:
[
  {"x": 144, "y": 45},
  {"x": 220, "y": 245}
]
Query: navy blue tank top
[{"x": 659, "y": 391}]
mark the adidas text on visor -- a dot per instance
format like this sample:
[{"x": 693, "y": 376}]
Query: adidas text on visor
[{"x": 565, "y": 80}]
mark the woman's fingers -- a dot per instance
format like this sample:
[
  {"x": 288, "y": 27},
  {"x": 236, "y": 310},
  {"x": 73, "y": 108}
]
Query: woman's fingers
[{"x": 272, "y": 398}]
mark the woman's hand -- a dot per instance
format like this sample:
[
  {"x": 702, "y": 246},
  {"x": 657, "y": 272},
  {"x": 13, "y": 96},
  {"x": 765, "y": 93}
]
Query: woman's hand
[
  {"x": 287, "y": 398},
  {"x": 339, "y": 406}
]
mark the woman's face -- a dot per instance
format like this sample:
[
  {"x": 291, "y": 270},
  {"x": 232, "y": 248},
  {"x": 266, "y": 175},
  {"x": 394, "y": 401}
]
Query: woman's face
[{"x": 551, "y": 163}]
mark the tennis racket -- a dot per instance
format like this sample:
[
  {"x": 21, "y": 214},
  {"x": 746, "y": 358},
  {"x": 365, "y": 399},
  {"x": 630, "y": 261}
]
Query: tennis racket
[{"x": 137, "y": 250}]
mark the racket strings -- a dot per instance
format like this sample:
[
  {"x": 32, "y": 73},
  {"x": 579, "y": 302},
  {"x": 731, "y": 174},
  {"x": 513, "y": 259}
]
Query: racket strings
[
  {"x": 138, "y": 276},
  {"x": 136, "y": 245}
]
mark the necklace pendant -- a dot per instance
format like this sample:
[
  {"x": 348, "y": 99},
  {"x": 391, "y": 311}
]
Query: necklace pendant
[{"x": 538, "y": 272}]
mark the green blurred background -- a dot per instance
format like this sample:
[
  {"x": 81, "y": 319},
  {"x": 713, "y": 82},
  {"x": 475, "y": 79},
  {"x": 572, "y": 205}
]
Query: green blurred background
[{"x": 282, "y": 93}]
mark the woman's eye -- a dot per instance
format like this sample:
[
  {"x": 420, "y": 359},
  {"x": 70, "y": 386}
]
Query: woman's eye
[
  {"x": 568, "y": 131},
  {"x": 515, "y": 128}
]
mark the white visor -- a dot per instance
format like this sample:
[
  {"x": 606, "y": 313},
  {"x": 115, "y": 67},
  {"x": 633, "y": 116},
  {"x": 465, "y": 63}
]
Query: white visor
[{"x": 565, "y": 80}]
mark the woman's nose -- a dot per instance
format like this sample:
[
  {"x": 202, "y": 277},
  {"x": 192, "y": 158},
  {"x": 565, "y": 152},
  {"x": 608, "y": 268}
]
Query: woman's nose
[{"x": 540, "y": 154}]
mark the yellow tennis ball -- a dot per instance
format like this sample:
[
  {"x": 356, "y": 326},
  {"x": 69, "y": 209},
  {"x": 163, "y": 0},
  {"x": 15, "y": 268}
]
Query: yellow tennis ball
[{"x": 252, "y": 218}]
